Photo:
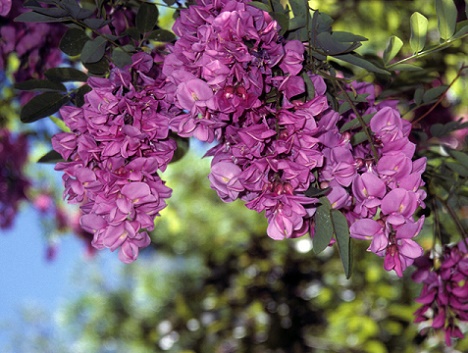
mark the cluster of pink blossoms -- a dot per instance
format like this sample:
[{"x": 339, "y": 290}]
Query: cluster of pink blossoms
[
  {"x": 444, "y": 296},
  {"x": 232, "y": 78},
  {"x": 117, "y": 144},
  {"x": 228, "y": 59}
]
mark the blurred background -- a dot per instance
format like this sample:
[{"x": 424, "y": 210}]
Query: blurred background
[{"x": 212, "y": 280}]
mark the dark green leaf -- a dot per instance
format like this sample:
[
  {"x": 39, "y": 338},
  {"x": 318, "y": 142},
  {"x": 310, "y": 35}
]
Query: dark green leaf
[
  {"x": 309, "y": 86},
  {"x": 169, "y": 2},
  {"x": 95, "y": 23},
  {"x": 36, "y": 17},
  {"x": 459, "y": 156},
  {"x": 133, "y": 33},
  {"x": 93, "y": 50},
  {"x": 283, "y": 21},
  {"x": 418, "y": 32},
  {"x": 42, "y": 106},
  {"x": 66, "y": 74},
  {"x": 183, "y": 145},
  {"x": 458, "y": 168},
  {"x": 147, "y": 17},
  {"x": 446, "y": 17},
  {"x": 440, "y": 130},
  {"x": 100, "y": 68},
  {"x": 297, "y": 23},
  {"x": 73, "y": 41},
  {"x": 40, "y": 85},
  {"x": 323, "y": 226},
  {"x": 51, "y": 157},
  {"x": 341, "y": 230},
  {"x": 52, "y": 12},
  {"x": 393, "y": 48},
  {"x": 121, "y": 58},
  {"x": 162, "y": 35},
  {"x": 357, "y": 60},
  {"x": 418, "y": 95},
  {"x": 78, "y": 96},
  {"x": 331, "y": 46},
  {"x": 76, "y": 11},
  {"x": 348, "y": 37},
  {"x": 261, "y": 6},
  {"x": 434, "y": 93},
  {"x": 315, "y": 192}
]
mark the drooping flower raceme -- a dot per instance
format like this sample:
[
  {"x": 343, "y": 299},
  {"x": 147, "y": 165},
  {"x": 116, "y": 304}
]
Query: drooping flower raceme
[{"x": 119, "y": 140}]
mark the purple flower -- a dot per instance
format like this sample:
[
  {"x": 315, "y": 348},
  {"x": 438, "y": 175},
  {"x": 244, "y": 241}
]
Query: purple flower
[{"x": 224, "y": 178}]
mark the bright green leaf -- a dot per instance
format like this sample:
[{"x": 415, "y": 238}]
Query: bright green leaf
[
  {"x": 393, "y": 47},
  {"x": 42, "y": 106},
  {"x": 418, "y": 32},
  {"x": 446, "y": 18},
  {"x": 60, "y": 123},
  {"x": 405, "y": 67}
]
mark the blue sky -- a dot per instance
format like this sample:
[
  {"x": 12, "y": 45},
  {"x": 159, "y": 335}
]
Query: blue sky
[{"x": 27, "y": 278}]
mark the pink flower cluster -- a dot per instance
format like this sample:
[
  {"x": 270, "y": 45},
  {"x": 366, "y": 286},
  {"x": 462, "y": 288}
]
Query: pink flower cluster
[
  {"x": 13, "y": 183},
  {"x": 119, "y": 140},
  {"x": 378, "y": 189},
  {"x": 444, "y": 296}
]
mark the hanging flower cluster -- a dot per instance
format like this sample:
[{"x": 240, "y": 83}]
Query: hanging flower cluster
[
  {"x": 444, "y": 296},
  {"x": 117, "y": 144},
  {"x": 232, "y": 78}
]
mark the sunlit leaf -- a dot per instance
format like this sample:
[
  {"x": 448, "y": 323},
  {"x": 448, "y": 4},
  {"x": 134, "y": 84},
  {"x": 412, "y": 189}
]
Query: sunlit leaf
[
  {"x": 405, "y": 67},
  {"x": 446, "y": 17},
  {"x": 393, "y": 48},
  {"x": 418, "y": 32},
  {"x": 60, "y": 123},
  {"x": 42, "y": 106}
]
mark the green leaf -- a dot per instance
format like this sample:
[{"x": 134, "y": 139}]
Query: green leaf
[
  {"x": 147, "y": 17},
  {"x": 51, "y": 157},
  {"x": 40, "y": 85},
  {"x": 418, "y": 95},
  {"x": 76, "y": 11},
  {"x": 355, "y": 123},
  {"x": 162, "y": 35},
  {"x": 434, "y": 93},
  {"x": 283, "y": 21},
  {"x": 393, "y": 48},
  {"x": 331, "y": 46},
  {"x": 38, "y": 18},
  {"x": 459, "y": 156},
  {"x": 60, "y": 123},
  {"x": 78, "y": 97},
  {"x": 357, "y": 60},
  {"x": 461, "y": 32},
  {"x": 99, "y": 68},
  {"x": 42, "y": 106},
  {"x": 323, "y": 226},
  {"x": 73, "y": 41},
  {"x": 121, "y": 58},
  {"x": 66, "y": 74},
  {"x": 446, "y": 18},
  {"x": 359, "y": 137},
  {"x": 183, "y": 145},
  {"x": 315, "y": 192},
  {"x": 418, "y": 32},
  {"x": 309, "y": 85},
  {"x": 440, "y": 130},
  {"x": 93, "y": 50},
  {"x": 458, "y": 168},
  {"x": 95, "y": 23},
  {"x": 348, "y": 37},
  {"x": 261, "y": 6},
  {"x": 341, "y": 230},
  {"x": 405, "y": 67}
]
